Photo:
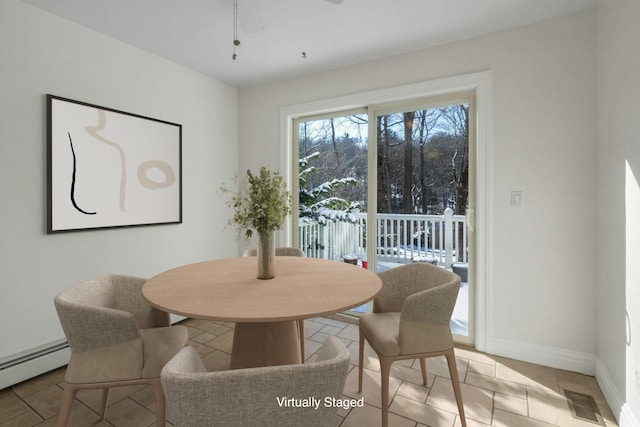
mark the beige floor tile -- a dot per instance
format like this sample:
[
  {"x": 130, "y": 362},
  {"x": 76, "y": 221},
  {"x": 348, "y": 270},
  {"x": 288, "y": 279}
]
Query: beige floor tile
[
  {"x": 371, "y": 360},
  {"x": 478, "y": 403},
  {"x": 369, "y": 416},
  {"x": 507, "y": 419},
  {"x": 192, "y": 332},
  {"x": 497, "y": 385},
  {"x": 410, "y": 374},
  {"x": 39, "y": 383},
  {"x": 46, "y": 402},
  {"x": 127, "y": 413},
  {"x": 81, "y": 416},
  {"x": 144, "y": 397},
  {"x": 486, "y": 369},
  {"x": 511, "y": 404},
  {"x": 217, "y": 361},
  {"x": 424, "y": 414},
  {"x": 92, "y": 398},
  {"x": 331, "y": 330},
  {"x": 470, "y": 423},
  {"x": 201, "y": 348},
  {"x": 350, "y": 332},
  {"x": 310, "y": 348},
  {"x": 319, "y": 337},
  {"x": 371, "y": 390},
  {"x": 409, "y": 363},
  {"x": 439, "y": 366},
  {"x": 311, "y": 327},
  {"x": 214, "y": 328},
  {"x": 331, "y": 322},
  {"x": 223, "y": 342},
  {"x": 526, "y": 373},
  {"x": 11, "y": 405},
  {"x": 413, "y": 391},
  {"x": 470, "y": 354},
  {"x": 26, "y": 419},
  {"x": 202, "y": 337},
  {"x": 192, "y": 322}
]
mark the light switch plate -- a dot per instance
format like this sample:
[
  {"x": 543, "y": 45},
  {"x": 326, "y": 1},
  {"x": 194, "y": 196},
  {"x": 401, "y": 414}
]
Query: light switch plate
[{"x": 516, "y": 198}]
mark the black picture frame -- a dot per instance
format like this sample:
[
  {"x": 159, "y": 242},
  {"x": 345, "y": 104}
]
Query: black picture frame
[{"x": 108, "y": 168}]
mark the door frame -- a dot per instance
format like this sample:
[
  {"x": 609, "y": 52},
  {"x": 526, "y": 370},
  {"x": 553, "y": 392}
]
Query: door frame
[{"x": 480, "y": 219}]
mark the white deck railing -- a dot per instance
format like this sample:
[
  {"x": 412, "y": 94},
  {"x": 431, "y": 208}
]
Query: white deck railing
[{"x": 401, "y": 238}]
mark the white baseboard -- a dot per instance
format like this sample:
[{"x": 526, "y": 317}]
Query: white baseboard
[
  {"x": 618, "y": 406},
  {"x": 555, "y": 357},
  {"x": 34, "y": 367},
  {"x": 39, "y": 360}
]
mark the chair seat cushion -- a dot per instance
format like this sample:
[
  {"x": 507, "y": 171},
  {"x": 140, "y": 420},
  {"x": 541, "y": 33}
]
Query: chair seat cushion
[
  {"x": 118, "y": 362},
  {"x": 159, "y": 346},
  {"x": 382, "y": 331}
]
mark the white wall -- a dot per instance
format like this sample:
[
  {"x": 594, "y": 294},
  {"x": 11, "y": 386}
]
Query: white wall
[
  {"x": 542, "y": 256},
  {"x": 619, "y": 205},
  {"x": 40, "y": 54}
]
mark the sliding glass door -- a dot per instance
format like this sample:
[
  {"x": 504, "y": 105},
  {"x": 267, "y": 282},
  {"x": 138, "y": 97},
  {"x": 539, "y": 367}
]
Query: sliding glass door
[{"x": 390, "y": 185}]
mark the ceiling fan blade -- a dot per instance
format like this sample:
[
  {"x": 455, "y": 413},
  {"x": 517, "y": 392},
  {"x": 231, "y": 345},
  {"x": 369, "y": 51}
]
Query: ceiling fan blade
[
  {"x": 250, "y": 16},
  {"x": 334, "y": 1}
]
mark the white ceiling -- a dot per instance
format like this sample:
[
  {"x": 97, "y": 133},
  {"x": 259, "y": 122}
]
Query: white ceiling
[{"x": 199, "y": 33}]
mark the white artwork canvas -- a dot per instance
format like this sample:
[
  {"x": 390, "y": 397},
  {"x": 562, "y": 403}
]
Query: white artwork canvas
[{"x": 108, "y": 168}]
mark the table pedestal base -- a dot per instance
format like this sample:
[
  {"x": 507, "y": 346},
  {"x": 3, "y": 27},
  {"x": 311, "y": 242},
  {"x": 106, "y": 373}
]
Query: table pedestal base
[{"x": 265, "y": 344}]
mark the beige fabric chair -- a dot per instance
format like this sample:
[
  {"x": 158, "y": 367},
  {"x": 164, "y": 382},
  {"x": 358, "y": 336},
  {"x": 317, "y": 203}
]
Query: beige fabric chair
[
  {"x": 285, "y": 251},
  {"x": 251, "y": 397},
  {"x": 410, "y": 320},
  {"x": 116, "y": 339}
]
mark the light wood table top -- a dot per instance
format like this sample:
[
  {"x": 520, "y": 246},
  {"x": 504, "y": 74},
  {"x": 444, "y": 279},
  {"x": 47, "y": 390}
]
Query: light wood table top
[{"x": 228, "y": 289}]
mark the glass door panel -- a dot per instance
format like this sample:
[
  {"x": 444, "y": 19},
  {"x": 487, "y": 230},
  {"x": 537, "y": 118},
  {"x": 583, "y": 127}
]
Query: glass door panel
[
  {"x": 422, "y": 190},
  {"x": 332, "y": 154}
]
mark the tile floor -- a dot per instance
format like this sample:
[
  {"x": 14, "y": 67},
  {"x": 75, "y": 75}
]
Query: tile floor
[{"x": 496, "y": 391}]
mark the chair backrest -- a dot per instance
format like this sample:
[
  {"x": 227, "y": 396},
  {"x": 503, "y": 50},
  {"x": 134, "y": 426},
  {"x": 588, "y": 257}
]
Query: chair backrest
[
  {"x": 267, "y": 396},
  {"x": 282, "y": 251},
  {"x": 90, "y": 318},
  {"x": 409, "y": 279},
  {"x": 101, "y": 319},
  {"x": 425, "y": 296}
]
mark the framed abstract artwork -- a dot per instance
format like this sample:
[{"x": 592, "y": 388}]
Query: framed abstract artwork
[{"x": 108, "y": 168}]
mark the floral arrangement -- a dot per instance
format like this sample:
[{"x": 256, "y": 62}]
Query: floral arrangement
[{"x": 261, "y": 202}]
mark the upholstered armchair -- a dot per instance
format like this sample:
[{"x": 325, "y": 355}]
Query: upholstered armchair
[
  {"x": 410, "y": 320},
  {"x": 256, "y": 396},
  {"x": 116, "y": 339},
  {"x": 285, "y": 251}
]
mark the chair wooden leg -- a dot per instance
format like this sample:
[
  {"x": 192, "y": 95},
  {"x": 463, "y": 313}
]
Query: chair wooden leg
[
  {"x": 160, "y": 403},
  {"x": 68, "y": 397},
  {"x": 423, "y": 367},
  {"x": 103, "y": 403},
  {"x": 360, "y": 359},
  {"x": 453, "y": 371},
  {"x": 301, "y": 333},
  {"x": 385, "y": 371}
]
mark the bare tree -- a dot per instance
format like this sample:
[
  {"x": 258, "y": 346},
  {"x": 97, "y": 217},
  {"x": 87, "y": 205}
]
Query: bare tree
[{"x": 407, "y": 185}]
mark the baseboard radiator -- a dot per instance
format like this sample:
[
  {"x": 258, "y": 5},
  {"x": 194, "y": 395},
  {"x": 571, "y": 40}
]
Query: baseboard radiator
[{"x": 33, "y": 362}]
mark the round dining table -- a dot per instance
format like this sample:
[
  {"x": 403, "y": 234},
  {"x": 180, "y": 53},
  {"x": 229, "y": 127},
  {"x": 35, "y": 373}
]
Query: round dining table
[{"x": 265, "y": 311}]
